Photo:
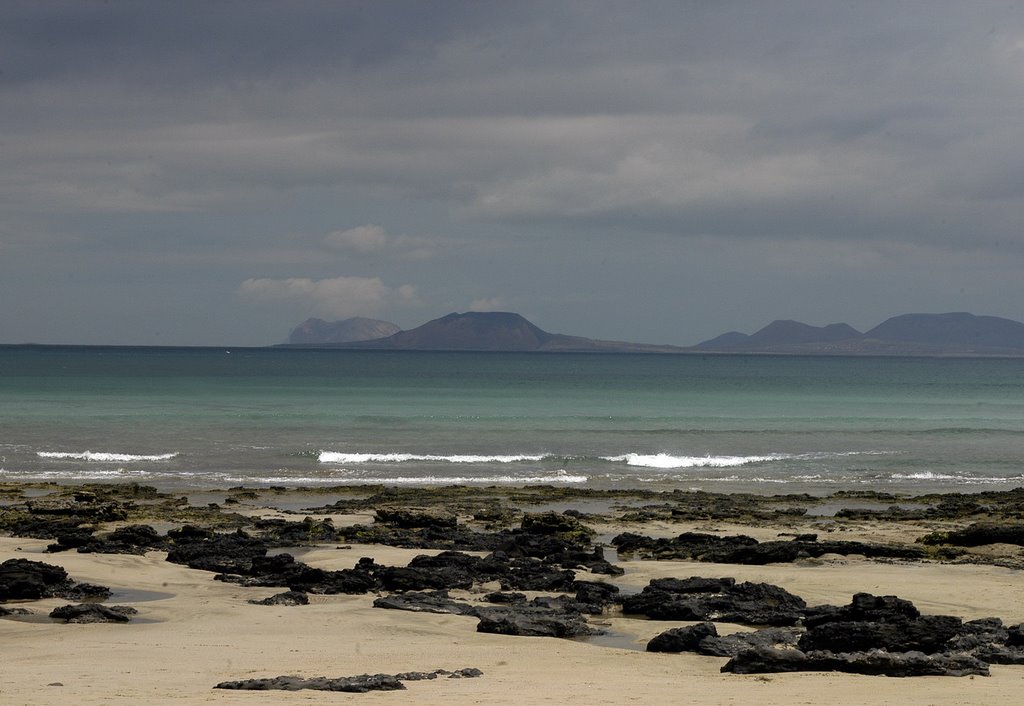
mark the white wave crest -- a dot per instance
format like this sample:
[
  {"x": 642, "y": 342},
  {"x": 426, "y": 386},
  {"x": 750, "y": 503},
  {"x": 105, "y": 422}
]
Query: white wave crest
[
  {"x": 104, "y": 456},
  {"x": 959, "y": 478},
  {"x": 458, "y": 480},
  {"x": 663, "y": 460},
  {"x": 353, "y": 458}
]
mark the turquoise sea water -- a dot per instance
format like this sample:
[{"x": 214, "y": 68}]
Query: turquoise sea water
[{"x": 186, "y": 418}]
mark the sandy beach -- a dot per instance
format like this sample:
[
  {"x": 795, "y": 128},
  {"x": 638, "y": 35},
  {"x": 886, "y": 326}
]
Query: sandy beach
[{"x": 192, "y": 632}]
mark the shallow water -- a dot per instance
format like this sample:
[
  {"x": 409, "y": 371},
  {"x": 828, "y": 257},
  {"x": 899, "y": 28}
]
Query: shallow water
[{"x": 206, "y": 418}]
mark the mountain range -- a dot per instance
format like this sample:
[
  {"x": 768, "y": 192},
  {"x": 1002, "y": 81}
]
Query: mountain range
[
  {"x": 956, "y": 333},
  {"x": 953, "y": 334}
]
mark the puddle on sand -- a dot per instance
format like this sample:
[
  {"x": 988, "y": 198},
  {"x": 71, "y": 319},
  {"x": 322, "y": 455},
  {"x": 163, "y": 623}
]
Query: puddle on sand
[
  {"x": 616, "y": 639},
  {"x": 135, "y": 595}
]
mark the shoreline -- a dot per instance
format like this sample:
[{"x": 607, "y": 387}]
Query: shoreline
[{"x": 193, "y": 632}]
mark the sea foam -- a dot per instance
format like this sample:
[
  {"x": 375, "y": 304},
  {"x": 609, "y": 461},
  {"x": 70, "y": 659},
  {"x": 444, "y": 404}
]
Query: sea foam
[
  {"x": 104, "y": 456},
  {"x": 353, "y": 458},
  {"x": 664, "y": 460}
]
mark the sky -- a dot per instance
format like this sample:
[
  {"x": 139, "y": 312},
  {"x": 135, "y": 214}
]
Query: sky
[{"x": 215, "y": 172}]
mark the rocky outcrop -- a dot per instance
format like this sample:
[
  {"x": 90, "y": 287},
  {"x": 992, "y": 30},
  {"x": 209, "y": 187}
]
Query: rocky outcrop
[
  {"x": 719, "y": 600},
  {"x": 978, "y": 534},
  {"x": 93, "y": 613},
  {"x": 358, "y": 684},
  {"x": 22, "y": 579},
  {"x": 760, "y": 660},
  {"x": 288, "y": 598},
  {"x": 541, "y": 617},
  {"x": 740, "y": 549},
  {"x": 130, "y": 539},
  {"x": 686, "y": 639},
  {"x": 882, "y": 635}
]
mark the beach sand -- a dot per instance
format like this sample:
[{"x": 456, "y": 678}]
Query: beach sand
[{"x": 192, "y": 632}]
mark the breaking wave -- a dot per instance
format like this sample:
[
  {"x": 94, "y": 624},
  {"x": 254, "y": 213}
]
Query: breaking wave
[
  {"x": 353, "y": 458},
  {"x": 104, "y": 456},
  {"x": 663, "y": 460}
]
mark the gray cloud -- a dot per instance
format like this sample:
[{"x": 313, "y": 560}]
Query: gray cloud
[
  {"x": 338, "y": 297},
  {"x": 375, "y": 240},
  {"x": 555, "y": 145}
]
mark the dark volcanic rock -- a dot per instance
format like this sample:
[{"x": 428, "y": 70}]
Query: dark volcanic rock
[
  {"x": 880, "y": 622},
  {"x": 25, "y": 579},
  {"x": 505, "y": 598},
  {"x": 717, "y": 599},
  {"x": 761, "y": 660},
  {"x": 429, "y": 537},
  {"x": 225, "y": 553},
  {"x": 399, "y": 578},
  {"x": 308, "y": 531},
  {"x": 732, "y": 645},
  {"x": 542, "y": 617},
  {"x": 358, "y": 684},
  {"x": 4, "y": 612},
  {"x": 23, "y": 525},
  {"x": 130, "y": 539},
  {"x": 405, "y": 518},
  {"x": 928, "y": 634},
  {"x": 999, "y": 654},
  {"x": 978, "y": 534},
  {"x": 688, "y": 545},
  {"x": 537, "y": 623},
  {"x": 288, "y": 598},
  {"x": 80, "y": 512},
  {"x": 557, "y": 524},
  {"x": 864, "y": 607},
  {"x": 595, "y": 594},
  {"x": 22, "y": 578},
  {"x": 93, "y": 613},
  {"x": 425, "y": 602},
  {"x": 682, "y": 639},
  {"x": 535, "y": 575},
  {"x": 283, "y": 570},
  {"x": 741, "y": 549}
]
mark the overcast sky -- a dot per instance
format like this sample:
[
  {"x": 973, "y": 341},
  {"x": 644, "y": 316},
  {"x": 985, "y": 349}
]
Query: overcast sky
[{"x": 193, "y": 173}]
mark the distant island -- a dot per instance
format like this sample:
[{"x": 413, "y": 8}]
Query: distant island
[
  {"x": 952, "y": 334},
  {"x": 318, "y": 331},
  {"x": 476, "y": 331}
]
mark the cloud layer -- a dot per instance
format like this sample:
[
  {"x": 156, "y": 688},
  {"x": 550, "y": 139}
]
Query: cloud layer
[
  {"x": 338, "y": 297},
  {"x": 660, "y": 171}
]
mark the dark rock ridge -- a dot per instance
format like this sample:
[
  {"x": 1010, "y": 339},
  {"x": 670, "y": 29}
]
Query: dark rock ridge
[
  {"x": 512, "y": 614},
  {"x": 493, "y": 331},
  {"x": 741, "y": 549},
  {"x": 958, "y": 333},
  {"x": 358, "y": 684},
  {"x": 978, "y": 534},
  {"x": 313, "y": 331},
  {"x": 883, "y": 635},
  {"x": 722, "y": 600},
  {"x": 93, "y": 613}
]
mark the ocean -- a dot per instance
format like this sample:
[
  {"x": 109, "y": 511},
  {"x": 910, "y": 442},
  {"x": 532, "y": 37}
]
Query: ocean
[{"x": 192, "y": 418}]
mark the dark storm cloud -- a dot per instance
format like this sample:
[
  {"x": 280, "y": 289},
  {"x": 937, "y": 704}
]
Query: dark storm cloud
[{"x": 249, "y": 135}]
